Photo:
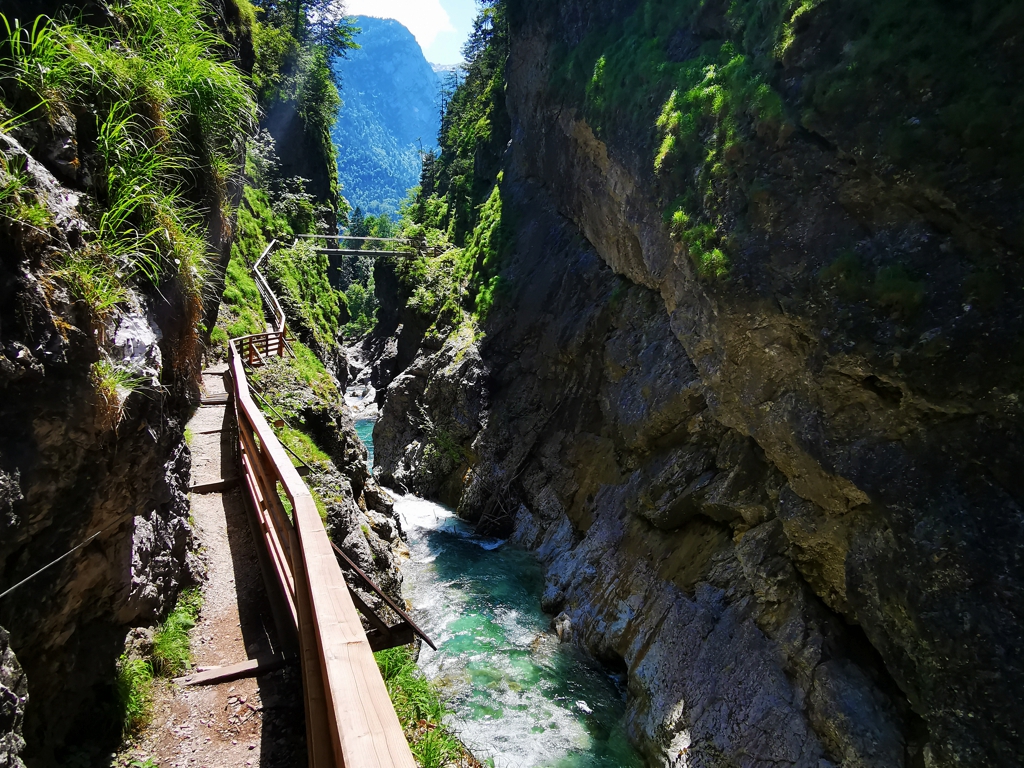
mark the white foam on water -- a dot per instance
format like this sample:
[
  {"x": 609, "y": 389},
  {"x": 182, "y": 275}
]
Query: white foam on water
[
  {"x": 420, "y": 513},
  {"x": 429, "y": 515},
  {"x": 498, "y": 663}
]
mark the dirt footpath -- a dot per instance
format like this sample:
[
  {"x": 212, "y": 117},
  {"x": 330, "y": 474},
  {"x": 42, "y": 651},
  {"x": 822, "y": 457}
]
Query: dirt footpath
[{"x": 249, "y": 722}]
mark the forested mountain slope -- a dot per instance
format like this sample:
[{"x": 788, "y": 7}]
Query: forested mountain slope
[{"x": 390, "y": 114}]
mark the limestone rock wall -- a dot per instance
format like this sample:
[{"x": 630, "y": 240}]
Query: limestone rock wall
[
  {"x": 793, "y": 522},
  {"x": 70, "y": 467},
  {"x": 13, "y": 699}
]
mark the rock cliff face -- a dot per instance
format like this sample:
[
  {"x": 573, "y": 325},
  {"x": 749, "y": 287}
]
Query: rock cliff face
[
  {"x": 70, "y": 468},
  {"x": 13, "y": 698},
  {"x": 791, "y": 516}
]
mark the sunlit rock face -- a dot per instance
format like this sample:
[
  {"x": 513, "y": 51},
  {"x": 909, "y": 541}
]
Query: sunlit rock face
[
  {"x": 73, "y": 464},
  {"x": 789, "y": 512}
]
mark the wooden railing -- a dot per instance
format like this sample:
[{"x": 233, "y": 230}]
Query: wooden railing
[{"x": 350, "y": 721}]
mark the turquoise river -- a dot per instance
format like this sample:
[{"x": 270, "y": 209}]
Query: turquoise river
[{"x": 520, "y": 698}]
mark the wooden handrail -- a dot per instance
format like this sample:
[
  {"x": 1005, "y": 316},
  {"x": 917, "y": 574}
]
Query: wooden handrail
[
  {"x": 264, "y": 288},
  {"x": 350, "y": 720},
  {"x": 345, "y": 692}
]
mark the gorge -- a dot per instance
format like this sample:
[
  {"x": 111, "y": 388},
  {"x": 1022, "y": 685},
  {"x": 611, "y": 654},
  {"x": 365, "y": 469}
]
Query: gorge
[{"x": 696, "y": 383}]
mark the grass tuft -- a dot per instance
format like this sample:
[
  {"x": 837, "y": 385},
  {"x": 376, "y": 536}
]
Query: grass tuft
[
  {"x": 134, "y": 693},
  {"x": 172, "y": 653},
  {"x": 113, "y": 385},
  {"x": 419, "y": 708}
]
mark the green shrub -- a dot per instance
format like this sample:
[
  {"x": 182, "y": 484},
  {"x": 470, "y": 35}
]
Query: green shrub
[
  {"x": 219, "y": 337},
  {"x": 896, "y": 289}
]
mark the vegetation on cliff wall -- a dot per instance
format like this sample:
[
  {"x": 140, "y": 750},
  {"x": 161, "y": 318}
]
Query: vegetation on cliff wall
[
  {"x": 299, "y": 276},
  {"x": 156, "y": 148},
  {"x": 314, "y": 308},
  {"x": 457, "y": 211},
  {"x": 901, "y": 86}
]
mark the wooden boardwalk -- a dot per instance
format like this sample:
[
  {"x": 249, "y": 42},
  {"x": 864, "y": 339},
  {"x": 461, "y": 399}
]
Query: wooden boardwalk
[{"x": 214, "y": 719}]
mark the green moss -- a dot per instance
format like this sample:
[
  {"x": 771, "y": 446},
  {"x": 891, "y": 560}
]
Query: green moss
[
  {"x": 849, "y": 277},
  {"x": 912, "y": 85},
  {"x": 896, "y": 289}
]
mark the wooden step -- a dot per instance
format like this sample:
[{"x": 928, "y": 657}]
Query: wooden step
[
  {"x": 261, "y": 665},
  {"x": 216, "y": 486}
]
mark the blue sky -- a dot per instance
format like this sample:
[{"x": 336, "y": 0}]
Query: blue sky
[{"x": 440, "y": 26}]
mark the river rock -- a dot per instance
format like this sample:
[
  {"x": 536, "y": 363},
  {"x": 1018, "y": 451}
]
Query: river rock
[{"x": 562, "y": 625}]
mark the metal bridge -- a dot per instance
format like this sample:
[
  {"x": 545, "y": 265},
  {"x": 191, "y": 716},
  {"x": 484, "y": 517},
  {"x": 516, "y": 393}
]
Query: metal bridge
[
  {"x": 397, "y": 245},
  {"x": 350, "y": 721}
]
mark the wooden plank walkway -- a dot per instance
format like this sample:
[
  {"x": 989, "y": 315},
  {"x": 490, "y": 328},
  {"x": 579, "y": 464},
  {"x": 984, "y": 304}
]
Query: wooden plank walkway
[{"x": 253, "y": 717}]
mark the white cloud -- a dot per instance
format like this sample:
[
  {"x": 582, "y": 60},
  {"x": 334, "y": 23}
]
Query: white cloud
[{"x": 426, "y": 19}]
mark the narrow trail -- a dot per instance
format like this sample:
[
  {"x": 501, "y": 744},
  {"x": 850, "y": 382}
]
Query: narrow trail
[{"x": 248, "y": 722}]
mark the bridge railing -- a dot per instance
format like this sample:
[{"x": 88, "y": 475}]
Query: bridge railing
[{"x": 350, "y": 721}]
